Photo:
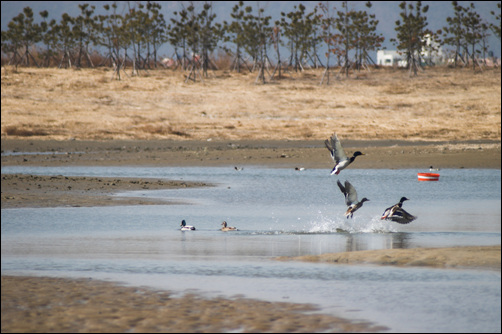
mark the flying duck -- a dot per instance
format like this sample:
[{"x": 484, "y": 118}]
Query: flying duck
[
  {"x": 227, "y": 228},
  {"x": 338, "y": 154},
  {"x": 350, "y": 194},
  {"x": 397, "y": 214},
  {"x": 185, "y": 227}
]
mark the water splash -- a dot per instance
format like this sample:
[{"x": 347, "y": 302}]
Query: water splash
[{"x": 359, "y": 224}]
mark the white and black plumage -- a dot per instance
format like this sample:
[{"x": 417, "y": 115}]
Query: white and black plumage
[
  {"x": 185, "y": 227},
  {"x": 350, "y": 194},
  {"x": 432, "y": 169},
  {"x": 338, "y": 154},
  {"x": 397, "y": 214}
]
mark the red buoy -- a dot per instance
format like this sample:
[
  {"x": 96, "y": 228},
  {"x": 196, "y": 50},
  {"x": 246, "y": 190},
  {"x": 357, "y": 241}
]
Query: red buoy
[{"x": 428, "y": 177}]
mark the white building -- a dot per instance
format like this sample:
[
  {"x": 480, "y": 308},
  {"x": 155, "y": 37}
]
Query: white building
[
  {"x": 389, "y": 58},
  {"x": 432, "y": 54}
]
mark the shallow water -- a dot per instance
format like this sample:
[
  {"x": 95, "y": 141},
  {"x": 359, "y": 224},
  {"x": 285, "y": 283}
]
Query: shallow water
[{"x": 278, "y": 212}]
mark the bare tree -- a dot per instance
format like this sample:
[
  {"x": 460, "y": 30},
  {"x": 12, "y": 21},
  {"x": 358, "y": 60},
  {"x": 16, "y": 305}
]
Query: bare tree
[{"x": 327, "y": 23}]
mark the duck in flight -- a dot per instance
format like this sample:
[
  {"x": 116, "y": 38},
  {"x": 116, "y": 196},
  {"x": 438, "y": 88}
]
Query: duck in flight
[
  {"x": 338, "y": 154},
  {"x": 185, "y": 227},
  {"x": 397, "y": 214},
  {"x": 351, "y": 201}
]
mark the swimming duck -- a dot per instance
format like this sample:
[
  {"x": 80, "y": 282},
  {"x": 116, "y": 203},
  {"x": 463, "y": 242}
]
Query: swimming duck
[
  {"x": 227, "y": 228},
  {"x": 338, "y": 154},
  {"x": 432, "y": 169},
  {"x": 350, "y": 194},
  {"x": 397, "y": 214},
  {"x": 185, "y": 227},
  {"x": 300, "y": 169},
  {"x": 238, "y": 168}
]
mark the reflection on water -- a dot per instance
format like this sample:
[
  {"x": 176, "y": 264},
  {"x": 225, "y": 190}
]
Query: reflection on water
[{"x": 279, "y": 213}]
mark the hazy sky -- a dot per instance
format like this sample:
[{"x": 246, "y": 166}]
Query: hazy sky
[{"x": 387, "y": 12}]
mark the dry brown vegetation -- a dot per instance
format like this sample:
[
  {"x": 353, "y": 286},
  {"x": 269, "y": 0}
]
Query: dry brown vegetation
[{"x": 439, "y": 104}]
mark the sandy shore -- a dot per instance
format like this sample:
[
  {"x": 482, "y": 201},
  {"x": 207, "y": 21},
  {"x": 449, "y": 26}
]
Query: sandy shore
[
  {"x": 47, "y": 305},
  {"x": 273, "y": 153},
  {"x": 486, "y": 257},
  {"x": 38, "y": 191}
]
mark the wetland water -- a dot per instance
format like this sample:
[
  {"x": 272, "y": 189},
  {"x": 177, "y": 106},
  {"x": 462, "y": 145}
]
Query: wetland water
[{"x": 278, "y": 212}]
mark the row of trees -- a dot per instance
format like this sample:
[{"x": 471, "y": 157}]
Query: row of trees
[
  {"x": 134, "y": 33},
  {"x": 466, "y": 30}
]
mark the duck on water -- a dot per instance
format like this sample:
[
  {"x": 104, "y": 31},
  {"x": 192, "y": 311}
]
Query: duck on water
[
  {"x": 227, "y": 228},
  {"x": 185, "y": 227}
]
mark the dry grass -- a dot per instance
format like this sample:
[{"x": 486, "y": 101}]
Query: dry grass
[{"x": 441, "y": 104}]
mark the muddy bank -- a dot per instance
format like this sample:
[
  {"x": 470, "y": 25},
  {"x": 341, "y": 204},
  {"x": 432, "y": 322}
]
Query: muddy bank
[
  {"x": 48, "y": 305},
  {"x": 482, "y": 257},
  {"x": 272, "y": 153},
  {"x": 38, "y": 191}
]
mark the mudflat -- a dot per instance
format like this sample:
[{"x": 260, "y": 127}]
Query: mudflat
[
  {"x": 48, "y": 305},
  {"x": 474, "y": 257},
  {"x": 36, "y": 191}
]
